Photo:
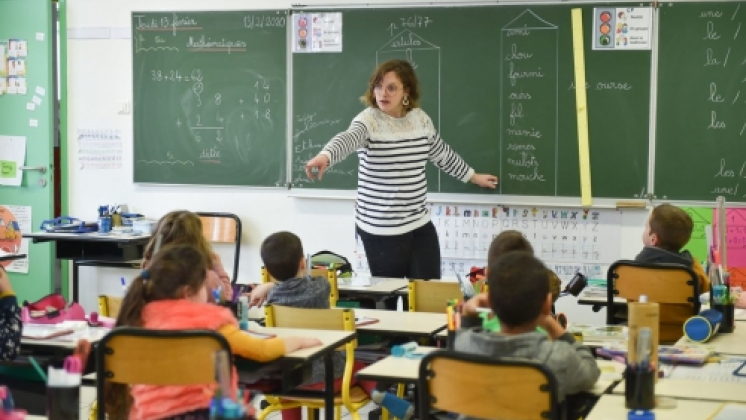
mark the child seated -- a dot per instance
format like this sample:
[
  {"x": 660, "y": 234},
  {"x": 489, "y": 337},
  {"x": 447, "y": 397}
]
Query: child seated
[
  {"x": 282, "y": 255},
  {"x": 172, "y": 294},
  {"x": 667, "y": 231},
  {"x": 520, "y": 298},
  {"x": 185, "y": 227},
  {"x": 10, "y": 319}
]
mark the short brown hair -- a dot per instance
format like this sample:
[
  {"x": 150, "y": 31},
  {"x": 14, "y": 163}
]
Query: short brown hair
[
  {"x": 506, "y": 241},
  {"x": 176, "y": 228},
  {"x": 672, "y": 225},
  {"x": 518, "y": 288},
  {"x": 406, "y": 75},
  {"x": 281, "y": 254}
]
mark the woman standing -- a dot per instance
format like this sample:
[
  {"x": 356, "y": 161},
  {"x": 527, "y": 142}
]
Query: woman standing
[{"x": 396, "y": 139}]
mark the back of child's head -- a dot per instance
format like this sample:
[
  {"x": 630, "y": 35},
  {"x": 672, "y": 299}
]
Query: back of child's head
[
  {"x": 174, "y": 272},
  {"x": 672, "y": 225},
  {"x": 178, "y": 227},
  {"x": 282, "y": 253},
  {"x": 507, "y": 241},
  {"x": 518, "y": 288}
]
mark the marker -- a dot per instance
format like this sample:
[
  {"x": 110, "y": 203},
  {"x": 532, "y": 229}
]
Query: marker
[{"x": 124, "y": 285}]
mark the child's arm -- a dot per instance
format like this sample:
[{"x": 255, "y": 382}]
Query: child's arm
[
  {"x": 10, "y": 319},
  {"x": 225, "y": 279},
  {"x": 263, "y": 350}
]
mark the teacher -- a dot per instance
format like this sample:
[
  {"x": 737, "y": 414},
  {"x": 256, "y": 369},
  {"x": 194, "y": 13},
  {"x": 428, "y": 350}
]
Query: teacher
[{"x": 395, "y": 139}]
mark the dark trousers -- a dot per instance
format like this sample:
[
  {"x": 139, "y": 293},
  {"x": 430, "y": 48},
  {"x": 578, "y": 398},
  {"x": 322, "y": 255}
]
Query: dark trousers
[{"x": 414, "y": 255}]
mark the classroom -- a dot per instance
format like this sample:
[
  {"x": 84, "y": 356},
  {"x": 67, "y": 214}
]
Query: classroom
[{"x": 220, "y": 108}]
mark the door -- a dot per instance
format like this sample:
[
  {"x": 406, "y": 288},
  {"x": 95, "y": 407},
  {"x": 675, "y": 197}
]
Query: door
[{"x": 27, "y": 106}]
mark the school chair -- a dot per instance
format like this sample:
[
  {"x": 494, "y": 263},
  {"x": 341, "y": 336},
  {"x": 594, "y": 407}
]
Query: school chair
[
  {"x": 328, "y": 274},
  {"x": 139, "y": 356},
  {"x": 484, "y": 387},
  {"x": 109, "y": 306},
  {"x": 352, "y": 398},
  {"x": 661, "y": 283},
  {"x": 432, "y": 296}
]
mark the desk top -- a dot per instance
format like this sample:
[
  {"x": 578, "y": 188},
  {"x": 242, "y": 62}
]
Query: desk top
[
  {"x": 328, "y": 338},
  {"x": 404, "y": 369},
  {"x": 689, "y": 389},
  {"x": 591, "y": 297},
  {"x": 91, "y": 237},
  {"x": 377, "y": 286},
  {"x": 612, "y": 407},
  {"x": 69, "y": 341},
  {"x": 402, "y": 323},
  {"x": 732, "y": 343}
]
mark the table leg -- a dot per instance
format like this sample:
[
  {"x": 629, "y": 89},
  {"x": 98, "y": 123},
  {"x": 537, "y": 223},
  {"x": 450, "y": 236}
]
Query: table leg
[
  {"x": 329, "y": 386},
  {"x": 75, "y": 281}
]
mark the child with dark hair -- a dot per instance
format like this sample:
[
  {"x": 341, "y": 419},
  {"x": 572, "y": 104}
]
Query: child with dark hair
[
  {"x": 520, "y": 298},
  {"x": 172, "y": 294},
  {"x": 282, "y": 254}
]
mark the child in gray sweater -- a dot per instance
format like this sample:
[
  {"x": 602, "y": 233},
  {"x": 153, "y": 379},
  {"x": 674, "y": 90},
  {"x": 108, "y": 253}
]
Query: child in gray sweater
[
  {"x": 520, "y": 297},
  {"x": 282, "y": 254}
]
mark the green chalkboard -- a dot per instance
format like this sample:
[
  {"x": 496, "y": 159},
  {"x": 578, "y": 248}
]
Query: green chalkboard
[
  {"x": 701, "y": 123},
  {"x": 497, "y": 82},
  {"x": 210, "y": 97}
]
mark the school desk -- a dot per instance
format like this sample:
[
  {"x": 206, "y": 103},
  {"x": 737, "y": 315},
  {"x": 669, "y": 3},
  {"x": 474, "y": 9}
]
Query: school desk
[
  {"x": 376, "y": 288},
  {"x": 611, "y": 407},
  {"x": 731, "y": 343},
  {"x": 68, "y": 342},
  {"x": 696, "y": 390},
  {"x": 597, "y": 301},
  {"x": 424, "y": 324},
  {"x": 406, "y": 370},
  {"x": 93, "y": 248},
  {"x": 331, "y": 341}
]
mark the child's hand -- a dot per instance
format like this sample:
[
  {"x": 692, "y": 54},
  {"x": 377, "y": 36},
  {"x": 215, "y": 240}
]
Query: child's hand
[
  {"x": 551, "y": 326},
  {"x": 259, "y": 294},
  {"x": 479, "y": 301},
  {"x": 308, "y": 342}
]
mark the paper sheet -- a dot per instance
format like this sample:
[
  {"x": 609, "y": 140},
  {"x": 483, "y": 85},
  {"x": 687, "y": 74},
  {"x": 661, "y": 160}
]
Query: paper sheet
[
  {"x": 702, "y": 217},
  {"x": 12, "y": 157}
]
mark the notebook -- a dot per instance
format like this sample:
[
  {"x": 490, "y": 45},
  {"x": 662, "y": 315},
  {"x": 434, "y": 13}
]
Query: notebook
[
  {"x": 729, "y": 411},
  {"x": 43, "y": 332}
]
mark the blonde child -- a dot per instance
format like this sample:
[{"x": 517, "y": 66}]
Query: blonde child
[
  {"x": 171, "y": 294},
  {"x": 185, "y": 227}
]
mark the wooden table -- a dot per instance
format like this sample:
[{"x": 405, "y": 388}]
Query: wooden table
[
  {"x": 93, "y": 247},
  {"x": 376, "y": 286},
  {"x": 406, "y": 370},
  {"x": 331, "y": 341},
  {"x": 611, "y": 407},
  {"x": 425, "y": 324},
  {"x": 732, "y": 343}
]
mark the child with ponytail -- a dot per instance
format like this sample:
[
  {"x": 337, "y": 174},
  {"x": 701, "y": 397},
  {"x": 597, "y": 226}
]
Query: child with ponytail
[{"x": 172, "y": 294}]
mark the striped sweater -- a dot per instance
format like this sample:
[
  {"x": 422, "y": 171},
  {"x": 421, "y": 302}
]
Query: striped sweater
[{"x": 393, "y": 152}]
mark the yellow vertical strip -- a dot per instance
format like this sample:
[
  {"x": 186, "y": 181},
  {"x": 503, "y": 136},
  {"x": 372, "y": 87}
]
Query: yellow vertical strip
[{"x": 581, "y": 106}]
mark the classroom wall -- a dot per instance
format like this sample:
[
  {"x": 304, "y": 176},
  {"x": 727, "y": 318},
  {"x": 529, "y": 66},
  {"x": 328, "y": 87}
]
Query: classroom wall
[{"x": 100, "y": 80}]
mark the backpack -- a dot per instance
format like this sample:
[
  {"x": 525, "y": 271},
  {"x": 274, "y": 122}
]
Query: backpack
[{"x": 330, "y": 259}]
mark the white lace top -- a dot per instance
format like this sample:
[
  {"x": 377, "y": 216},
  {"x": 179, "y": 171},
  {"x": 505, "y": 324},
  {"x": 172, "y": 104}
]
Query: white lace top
[{"x": 393, "y": 152}]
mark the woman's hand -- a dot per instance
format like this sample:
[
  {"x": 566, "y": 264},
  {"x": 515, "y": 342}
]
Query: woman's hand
[
  {"x": 483, "y": 180},
  {"x": 320, "y": 163}
]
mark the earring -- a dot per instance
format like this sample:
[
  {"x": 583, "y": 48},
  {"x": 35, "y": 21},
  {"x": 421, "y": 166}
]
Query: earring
[{"x": 405, "y": 102}]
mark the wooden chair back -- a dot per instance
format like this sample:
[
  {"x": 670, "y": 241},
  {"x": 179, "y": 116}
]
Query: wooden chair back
[
  {"x": 487, "y": 388},
  {"x": 661, "y": 283},
  {"x": 129, "y": 355},
  {"x": 432, "y": 296},
  {"x": 330, "y": 275},
  {"x": 223, "y": 228},
  {"x": 311, "y": 319}
]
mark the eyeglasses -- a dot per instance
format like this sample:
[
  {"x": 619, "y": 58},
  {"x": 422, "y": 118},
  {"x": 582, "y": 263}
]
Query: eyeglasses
[{"x": 391, "y": 89}]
